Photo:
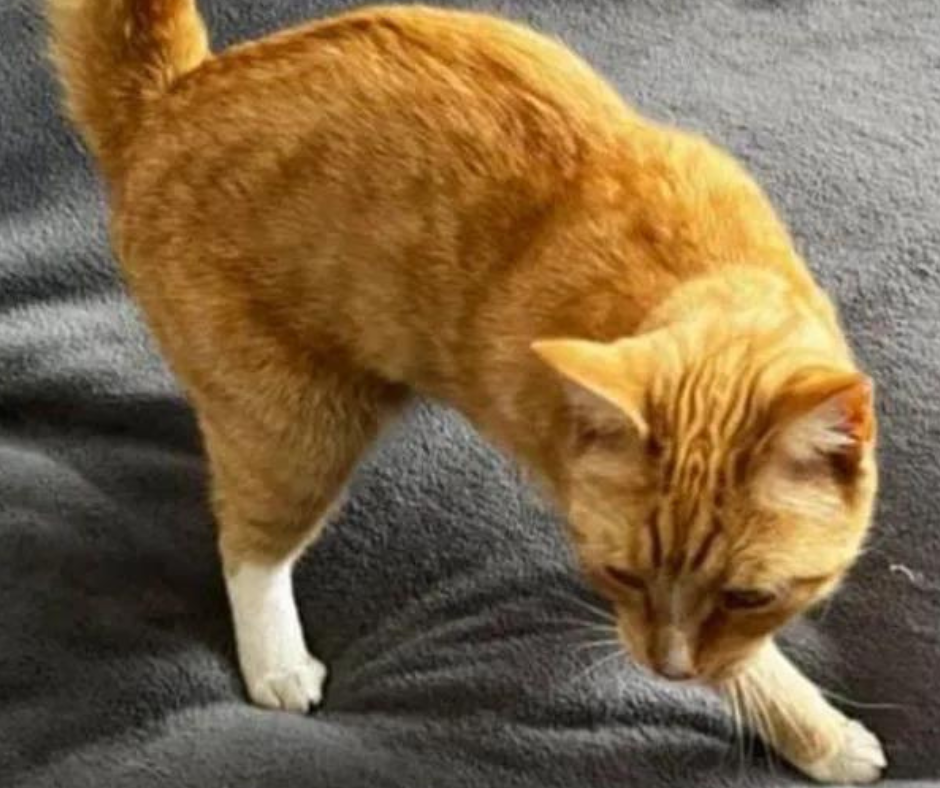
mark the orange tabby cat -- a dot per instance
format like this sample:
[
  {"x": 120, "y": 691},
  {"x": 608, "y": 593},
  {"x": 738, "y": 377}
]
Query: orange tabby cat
[{"x": 406, "y": 200}]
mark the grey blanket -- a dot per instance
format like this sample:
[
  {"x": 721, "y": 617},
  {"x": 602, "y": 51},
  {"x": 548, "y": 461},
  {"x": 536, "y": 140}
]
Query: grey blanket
[{"x": 444, "y": 598}]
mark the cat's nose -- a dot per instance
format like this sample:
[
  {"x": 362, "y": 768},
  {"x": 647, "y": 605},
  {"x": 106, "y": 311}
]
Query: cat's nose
[
  {"x": 675, "y": 672},
  {"x": 674, "y": 661}
]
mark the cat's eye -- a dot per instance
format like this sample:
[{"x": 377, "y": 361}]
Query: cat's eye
[
  {"x": 624, "y": 578},
  {"x": 747, "y": 598}
]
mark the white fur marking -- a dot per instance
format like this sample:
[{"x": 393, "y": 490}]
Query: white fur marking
[
  {"x": 678, "y": 657},
  {"x": 278, "y": 671},
  {"x": 678, "y": 662},
  {"x": 859, "y": 760}
]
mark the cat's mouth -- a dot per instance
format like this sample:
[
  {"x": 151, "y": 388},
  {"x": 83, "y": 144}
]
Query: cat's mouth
[{"x": 713, "y": 675}]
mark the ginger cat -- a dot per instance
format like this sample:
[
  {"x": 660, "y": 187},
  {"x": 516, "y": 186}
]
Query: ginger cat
[{"x": 401, "y": 200}]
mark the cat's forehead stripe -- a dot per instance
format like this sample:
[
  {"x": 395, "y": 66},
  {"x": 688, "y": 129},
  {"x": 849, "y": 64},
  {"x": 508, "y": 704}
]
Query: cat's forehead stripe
[
  {"x": 655, "y": 538},
  {"x": 701, "y": 554}
]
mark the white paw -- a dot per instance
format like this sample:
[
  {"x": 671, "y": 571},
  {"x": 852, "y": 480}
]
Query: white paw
[
  {"x": 297, "y": 688},
  {"x": 861, "y": 759}
]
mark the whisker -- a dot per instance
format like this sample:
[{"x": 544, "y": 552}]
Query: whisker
[
  {"x": 602, "y": 636},
  {"x": 757, "y": 726},
  {"x": 731, "y": 695},
  {"x": 595, "y": 636},
  {"x": 594, "y": 666},
  {"x": 826, "y": 608},
  {"x": 766, "y": 729},
  {"x": 749, "y": 721},
  {"x": 861, "y": 704},
  {"x": 597, "y": 644},
  {"x": 736, "y": 724},
  {"x": 762, "y": 705},
  {"x": 596, "y": 610},
  {"x": 794, "y": 726},
  {"x": 580, "y": 623},
  {"x": 745, "y": 733}
]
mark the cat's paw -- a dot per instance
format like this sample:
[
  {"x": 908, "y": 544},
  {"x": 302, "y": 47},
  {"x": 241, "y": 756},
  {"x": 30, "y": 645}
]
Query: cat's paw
[
  {"x": 860, "y": 759},
  {"x": 296, "y": 688}
]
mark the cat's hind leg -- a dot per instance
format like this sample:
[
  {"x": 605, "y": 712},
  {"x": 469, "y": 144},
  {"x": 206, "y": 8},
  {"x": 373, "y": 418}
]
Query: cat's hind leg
[{"x": 279, "y": 457}]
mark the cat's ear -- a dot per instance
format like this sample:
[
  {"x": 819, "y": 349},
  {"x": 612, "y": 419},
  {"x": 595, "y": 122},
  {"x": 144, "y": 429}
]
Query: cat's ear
[
  {"x": 605, "y": 382},
  {"x": 825, "y": 413}
]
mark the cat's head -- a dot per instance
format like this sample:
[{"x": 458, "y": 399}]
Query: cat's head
[{"x": 714, "y": 492}]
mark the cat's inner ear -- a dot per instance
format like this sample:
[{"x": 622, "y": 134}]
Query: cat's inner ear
[
  {"x": 605, "y": 385},
  {"x": 825, "y": 414}
]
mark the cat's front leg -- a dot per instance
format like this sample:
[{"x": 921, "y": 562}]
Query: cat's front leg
[{"x": 790, "y": 712}]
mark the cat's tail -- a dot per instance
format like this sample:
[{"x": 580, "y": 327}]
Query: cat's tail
[{"x": 114, "y": 57}]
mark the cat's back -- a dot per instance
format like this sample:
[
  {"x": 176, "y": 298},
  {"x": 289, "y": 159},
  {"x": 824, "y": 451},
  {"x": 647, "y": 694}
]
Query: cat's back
[
  {"x": 363, "y": 176},
  {"x": 390, "y": 156},
  {"x": 366, "y": 180},
  {"x": 387, "y": 84},
  {"x": 439, "y": 114}
]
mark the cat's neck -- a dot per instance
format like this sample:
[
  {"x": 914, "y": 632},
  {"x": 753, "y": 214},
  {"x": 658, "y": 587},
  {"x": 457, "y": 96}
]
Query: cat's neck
[
  {"x": 743, "y": 299},
  {"x": 741, "y": 291},
  {"x": 526, "y": 411}
]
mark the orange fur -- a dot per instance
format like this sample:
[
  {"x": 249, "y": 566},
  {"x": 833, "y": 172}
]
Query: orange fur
[{"x": 409, "y": 200}]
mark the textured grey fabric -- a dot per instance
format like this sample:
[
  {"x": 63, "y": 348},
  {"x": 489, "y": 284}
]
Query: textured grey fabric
[{"x": 444, "y": 598}]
